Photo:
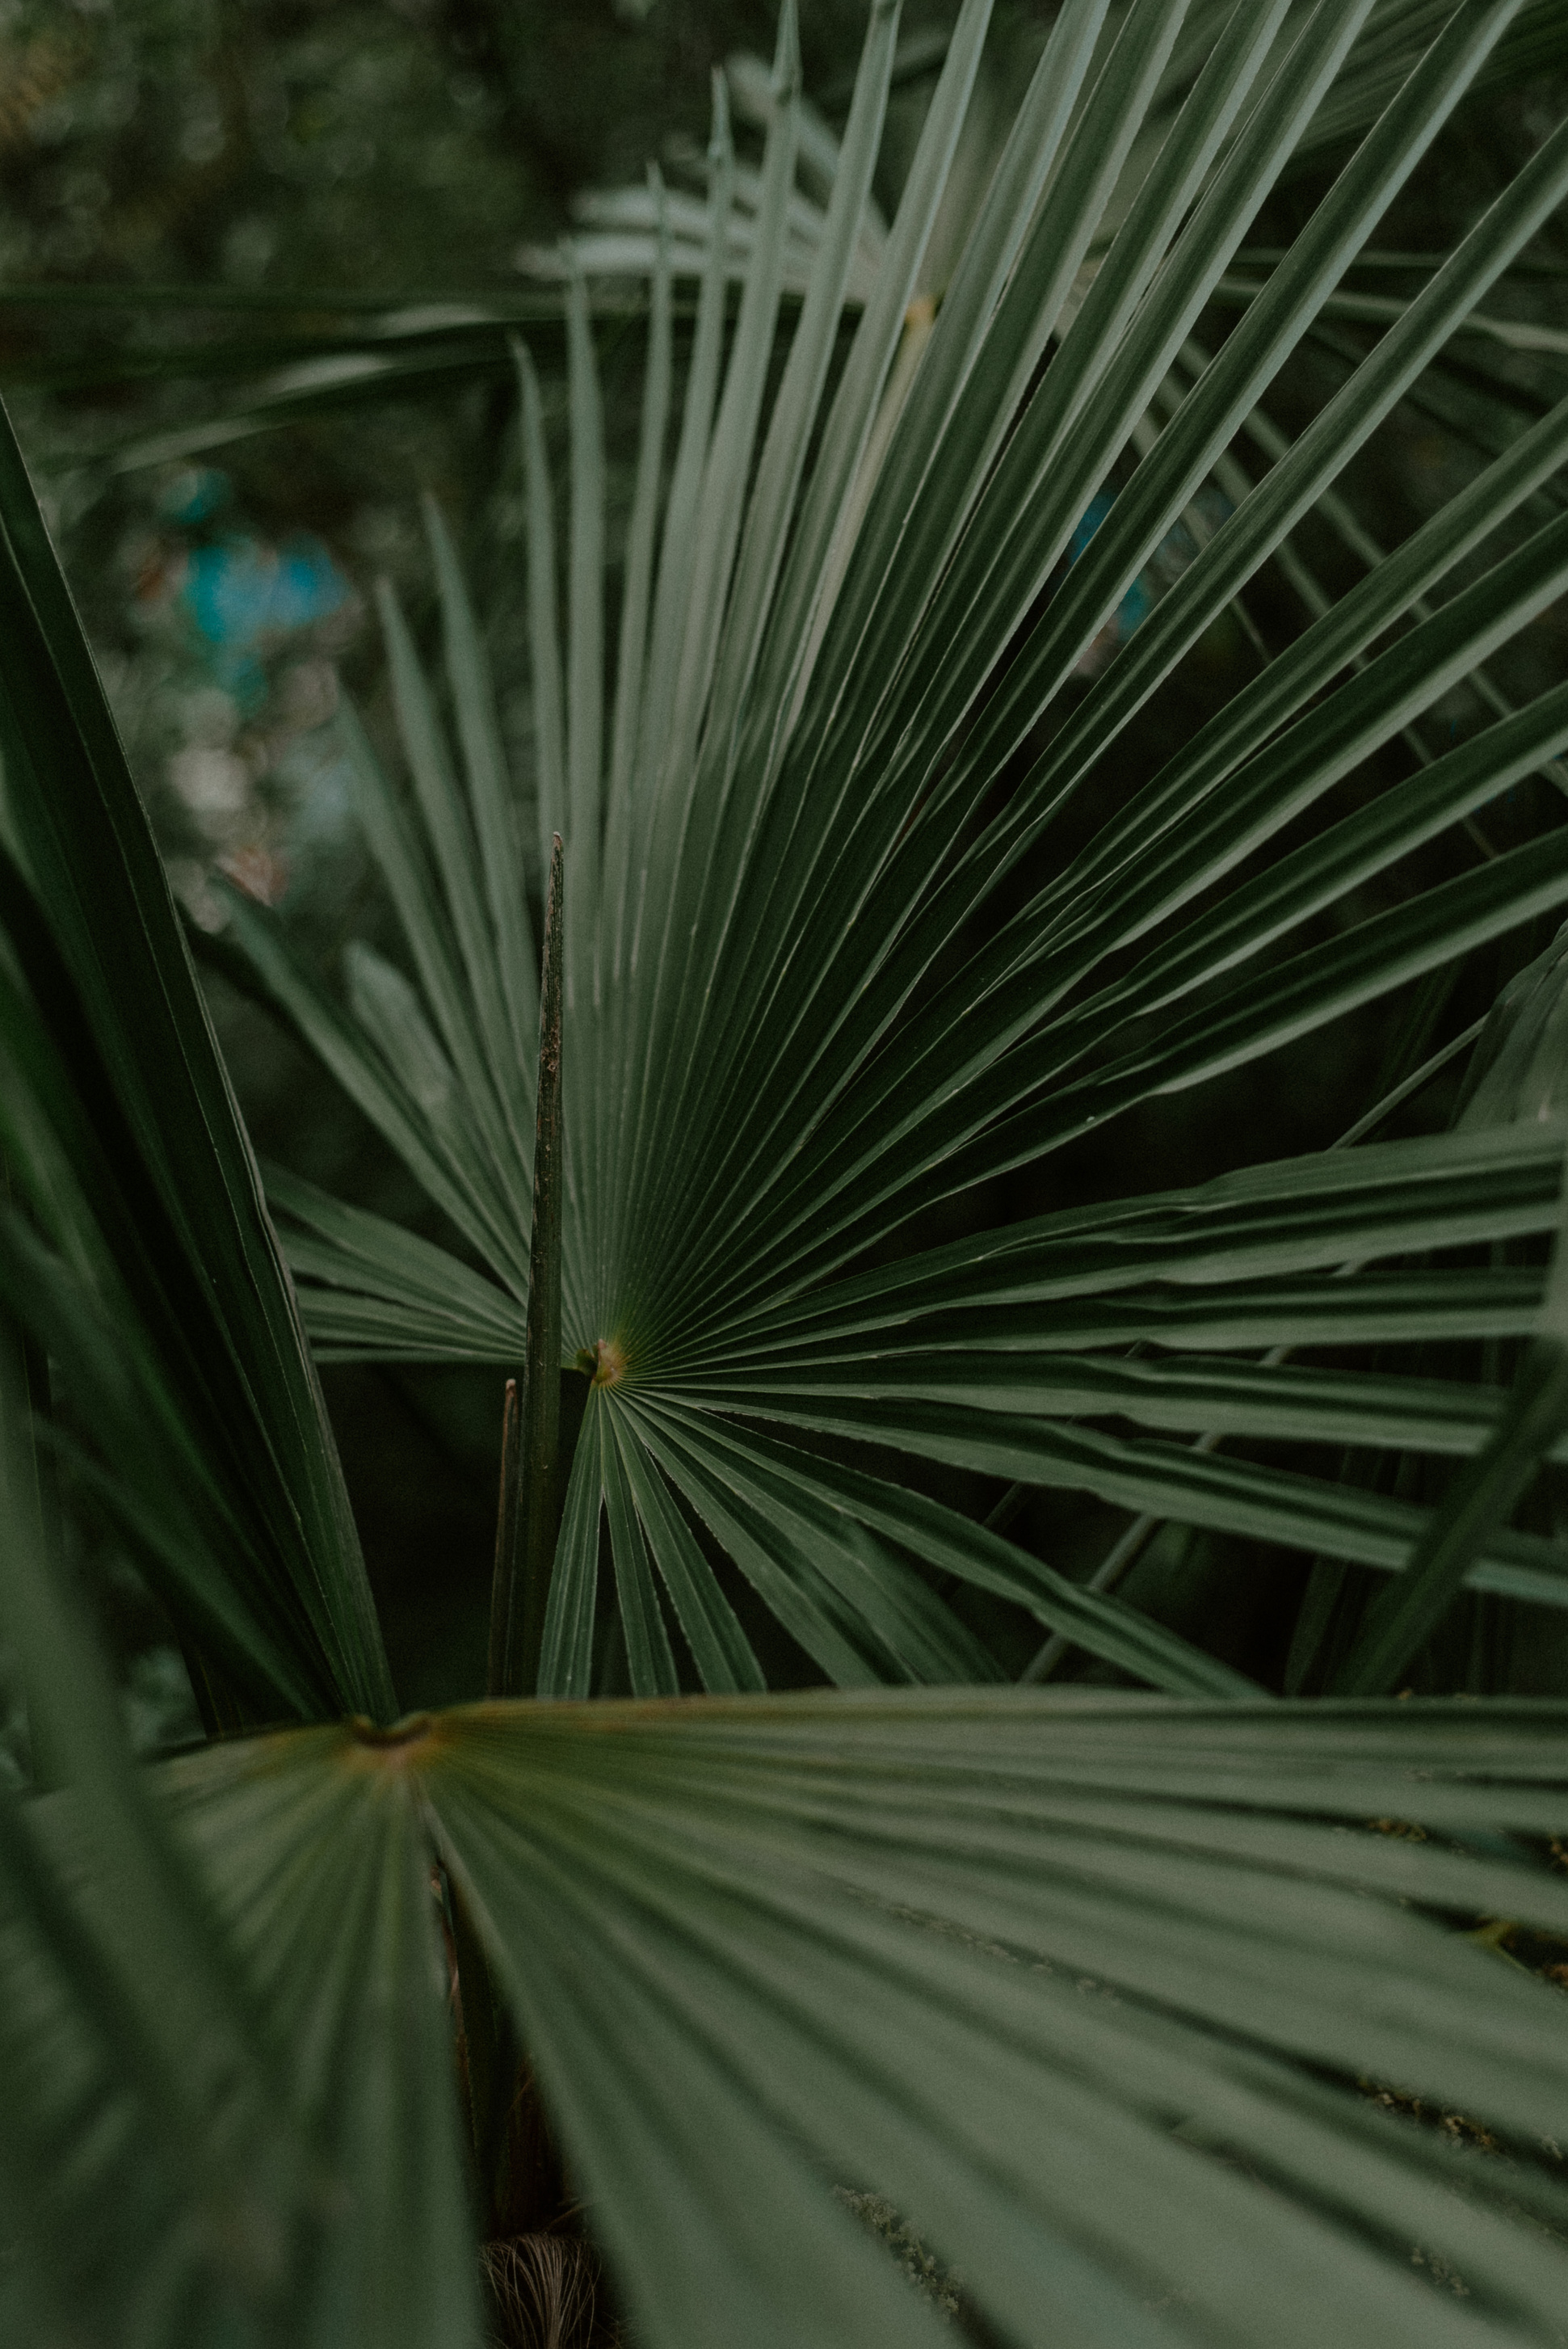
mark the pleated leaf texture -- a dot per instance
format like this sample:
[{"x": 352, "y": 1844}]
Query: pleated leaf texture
[
  {"x": 1127, "y": 2008},
  {"x": 1141, "y": 2019},
  {"x": 803, "y": 1009}
]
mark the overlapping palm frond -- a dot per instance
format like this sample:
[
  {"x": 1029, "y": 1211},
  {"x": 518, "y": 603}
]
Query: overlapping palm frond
[
  {"x": 783, "y": 838},
  {"x": 134, "y": 1243},
  {"x": 1123, "y": 2007},
  {"x": 1120, "y": 2007},
  {"x": 226, "y": 2121},
  {"x": 1134, "y": 2014}
]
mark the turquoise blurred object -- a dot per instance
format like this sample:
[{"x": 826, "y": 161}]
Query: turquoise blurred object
[
  {"x": 1136, "y": 605},
  {"x": 243, "y": 595}
]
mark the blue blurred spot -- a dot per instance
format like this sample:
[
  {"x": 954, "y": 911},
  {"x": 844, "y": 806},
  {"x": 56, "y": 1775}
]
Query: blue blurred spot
[
  {"x": 240, "y": 591},
  {"x": 243, "y": 595},
  {"x": 1135, "y": 604},
  {"x": 1098, "y": 507}
]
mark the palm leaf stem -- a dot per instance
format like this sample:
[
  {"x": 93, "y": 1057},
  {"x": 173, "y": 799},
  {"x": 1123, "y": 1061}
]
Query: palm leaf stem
[
  {"x": 527, "y": 1570},
  {"x": 503, "y": 1572}
]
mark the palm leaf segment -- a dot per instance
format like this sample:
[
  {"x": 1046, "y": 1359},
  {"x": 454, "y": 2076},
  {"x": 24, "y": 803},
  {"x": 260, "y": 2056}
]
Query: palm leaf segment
[
  {"x": 1022, "y": 1963},
  {"x": 782, "y": 1042},
  {"x": 134, "y": 1242}
]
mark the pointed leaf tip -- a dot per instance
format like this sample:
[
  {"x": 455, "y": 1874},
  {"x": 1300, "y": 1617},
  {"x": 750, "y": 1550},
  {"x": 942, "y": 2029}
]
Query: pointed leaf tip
[
  {"x": 787, "y": 55},
  {"x": 719, "y": 144}
]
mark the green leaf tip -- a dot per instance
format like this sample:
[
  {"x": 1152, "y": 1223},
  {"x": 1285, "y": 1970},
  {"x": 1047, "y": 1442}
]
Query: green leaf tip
[
  {"x": 720, "y": 146},
  {"x": 787, "y": 55}
]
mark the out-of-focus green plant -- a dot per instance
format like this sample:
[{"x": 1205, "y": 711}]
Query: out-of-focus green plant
[{"x": 1115, "y": 2015}]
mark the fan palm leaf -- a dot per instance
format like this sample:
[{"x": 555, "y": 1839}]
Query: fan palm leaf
[
  {"x": 1131, "y": 2012},
  {"x": 793, "y": 1022}
]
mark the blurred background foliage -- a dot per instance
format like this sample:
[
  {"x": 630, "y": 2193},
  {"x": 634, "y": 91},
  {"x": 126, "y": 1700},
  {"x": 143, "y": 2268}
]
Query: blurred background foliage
[{"x": 311, "y": 219}]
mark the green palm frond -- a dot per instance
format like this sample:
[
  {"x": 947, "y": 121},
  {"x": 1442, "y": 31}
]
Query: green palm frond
[
  {"x": 1011, "y": 1964},
  {"x": 1017, "y": 1965},
  {"x": 1124, "y": 2018},
  {"x": 229, "y": 2115},
  {"x": 124, "y": 1139},
  {"x": 782, "y": 1043}
]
